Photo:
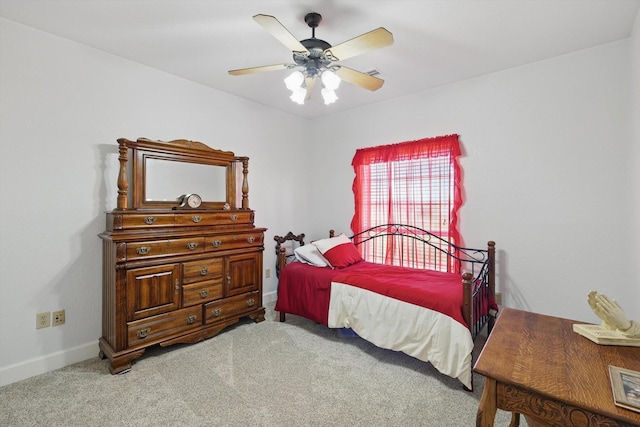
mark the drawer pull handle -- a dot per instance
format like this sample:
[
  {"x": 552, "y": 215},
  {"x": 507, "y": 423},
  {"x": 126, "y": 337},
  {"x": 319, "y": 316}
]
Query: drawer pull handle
[
  {"x": 233, "y": 217},
  {"x": 192, "y": 245},
  {"x": 191, "y": 319},
  {"x": 150, "y": 220},
  {"x": 216, "y": 312},
  {"x": 229, "y": 279},
  {"x": 250, "y": 239},
  {"x": 176, "y": 287},
  {"x": 204, "y": 271},
  {"x": 143, "y": 333},
  {"x": 196, "y": 218},
  {"x": 216, "y": 243},
  {"x": 250, "y": 302},
  {"x": 204, "y": 293},
  {"x": 143, "y": 250}
]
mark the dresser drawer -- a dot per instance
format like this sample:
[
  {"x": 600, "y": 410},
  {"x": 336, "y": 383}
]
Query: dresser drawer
[
  {"x": 202, "y": 292},
  {"x": 233, "y": 241},
  {"x": 218, "y": 310},
  {"x": 206, "y": 269},
  {"x": 147, "y": 220},
  {"x": 214, "y": 218},
  {"x": 158, "y": 327},
  {"x": 158, "y": 248}
]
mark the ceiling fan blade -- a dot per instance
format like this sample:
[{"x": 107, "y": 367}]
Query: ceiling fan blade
[
  {"x": 277, "y": 30},
  {"x": 375, "y": 39},
  {"x": 359, "y": 79},
  {"x": 310, "y": 83},
  {"x": 251, "y": 70}
]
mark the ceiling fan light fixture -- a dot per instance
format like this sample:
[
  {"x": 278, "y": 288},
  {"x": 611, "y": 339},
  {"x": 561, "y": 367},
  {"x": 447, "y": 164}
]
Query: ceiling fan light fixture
[
  {"x": 329, "y": 96},
  {"x": 294, "y": 81},
  {"x": 330, "y": 80},
  {"x": 298, "y": 95}
]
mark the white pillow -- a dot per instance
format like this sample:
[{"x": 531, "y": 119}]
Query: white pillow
[
  {"x": 309, "y": 254},
  {"x": 339, "y": 251},
  {"x": 324, "y": 245}
]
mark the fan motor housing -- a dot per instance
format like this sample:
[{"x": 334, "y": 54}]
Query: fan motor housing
[{"x": 315, "y": 44}]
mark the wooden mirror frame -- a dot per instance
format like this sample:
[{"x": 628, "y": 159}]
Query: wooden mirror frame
[{"x": 179, "y": 150}]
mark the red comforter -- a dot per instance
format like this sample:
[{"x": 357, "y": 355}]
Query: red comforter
[{"x": 305, "y": 290}]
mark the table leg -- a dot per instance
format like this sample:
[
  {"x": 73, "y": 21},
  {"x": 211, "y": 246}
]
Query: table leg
[
  {"x": 515, "y": 419},
  {"x": 488, "y": 404}
]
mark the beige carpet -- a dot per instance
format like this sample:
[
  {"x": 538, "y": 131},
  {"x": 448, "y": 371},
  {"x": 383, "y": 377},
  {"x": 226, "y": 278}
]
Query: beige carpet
[{"x": 296, "y": 373}]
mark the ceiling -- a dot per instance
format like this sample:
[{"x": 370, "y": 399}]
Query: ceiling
[{"x": 436, "y": 42}]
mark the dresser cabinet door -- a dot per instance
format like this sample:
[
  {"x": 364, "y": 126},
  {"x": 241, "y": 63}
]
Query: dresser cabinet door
[
  {"x": 152, "y": 290},
  {"x": 243, "y": 273}
]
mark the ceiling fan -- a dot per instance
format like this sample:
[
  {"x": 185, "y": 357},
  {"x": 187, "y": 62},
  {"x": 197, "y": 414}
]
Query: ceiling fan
[{"x": 314, "y": 58}]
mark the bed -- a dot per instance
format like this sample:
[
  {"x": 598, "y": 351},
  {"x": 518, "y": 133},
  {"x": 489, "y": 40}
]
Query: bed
[{"x": 431, "y": 306}]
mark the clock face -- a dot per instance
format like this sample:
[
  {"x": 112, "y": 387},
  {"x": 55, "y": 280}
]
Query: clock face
[{"x": 194, "y": 201}]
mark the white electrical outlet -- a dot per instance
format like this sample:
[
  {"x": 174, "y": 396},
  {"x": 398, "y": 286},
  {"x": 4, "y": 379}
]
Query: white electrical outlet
[
  {"x": 43, "y": 320},
  {"x": 267, "y": 273},
  {"x": 58, "y": 318}
]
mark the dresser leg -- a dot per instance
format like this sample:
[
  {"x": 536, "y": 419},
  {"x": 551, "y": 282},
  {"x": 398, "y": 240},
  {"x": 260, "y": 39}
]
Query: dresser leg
[
  {"x": 119, "y": 363},
  {"x": 258, "y": 317},
  {"x": 515, "y": 419},
  {"x": 488, "y": 404}
]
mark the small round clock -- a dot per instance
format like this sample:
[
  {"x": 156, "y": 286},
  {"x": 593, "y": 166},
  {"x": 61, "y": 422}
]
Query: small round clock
[{"x": 191, "y": 200}]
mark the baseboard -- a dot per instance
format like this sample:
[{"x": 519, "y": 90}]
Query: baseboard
[
  {"x": 30, "y": 368},
  {"x": 269, "y": 297}
]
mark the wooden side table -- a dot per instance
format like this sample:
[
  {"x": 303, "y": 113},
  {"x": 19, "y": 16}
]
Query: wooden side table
[{"x": 537, "y": 366}]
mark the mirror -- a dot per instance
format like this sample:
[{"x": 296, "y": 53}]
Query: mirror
[
  {"x": 167, "y": 180},
  {"x": 163, "y": 171}
]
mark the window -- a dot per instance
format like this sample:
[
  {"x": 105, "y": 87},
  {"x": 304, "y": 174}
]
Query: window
[{"x": 415, "y": 183}]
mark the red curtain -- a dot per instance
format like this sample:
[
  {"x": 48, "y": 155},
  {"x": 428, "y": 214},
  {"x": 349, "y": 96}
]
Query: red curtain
[{"x": 415, "y": 183}]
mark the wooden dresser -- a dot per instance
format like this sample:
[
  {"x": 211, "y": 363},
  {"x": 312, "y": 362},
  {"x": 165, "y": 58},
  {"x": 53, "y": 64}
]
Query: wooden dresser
[{"x": 173, "y": 273}]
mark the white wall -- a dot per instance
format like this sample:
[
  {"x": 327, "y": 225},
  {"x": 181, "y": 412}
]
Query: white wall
[
  {"x": 634, "y": 284},
  {"x": 62, "y": 107},
  {"x": 546, "y": 173}
]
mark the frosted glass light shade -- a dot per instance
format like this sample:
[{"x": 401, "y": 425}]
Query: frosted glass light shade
[
  {"x": 294, "y": 81},
  {"x": 329, "y": 96},
  {"x": 298, "y": 95},
  {"x": 330, "y": 80}
]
